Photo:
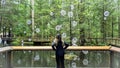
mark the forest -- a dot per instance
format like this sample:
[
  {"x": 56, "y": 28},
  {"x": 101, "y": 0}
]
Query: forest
[{"x": 79, "y": 21}]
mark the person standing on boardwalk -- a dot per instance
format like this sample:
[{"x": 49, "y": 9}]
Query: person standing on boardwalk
[{"x": 59, "y": 47}]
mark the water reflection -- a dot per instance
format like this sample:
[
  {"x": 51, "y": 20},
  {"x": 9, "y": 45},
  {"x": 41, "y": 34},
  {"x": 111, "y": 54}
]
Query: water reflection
[
  {"x": 85, "y": 52},
  {"x": 37, "y": 57},
  {"x": 85, "y": 62},
  {"x": 0, "y": 40},
  {"x": 115, "y": 60},
  {"x": 19, "y": 61},
  {"x": 2, "y": 60},
  {"x": 73, "y": 64},
  {"x": 72, "y": 59}
]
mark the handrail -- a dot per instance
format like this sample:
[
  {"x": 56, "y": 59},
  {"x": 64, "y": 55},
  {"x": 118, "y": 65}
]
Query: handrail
[
  {"x": 4, "y": 49},
  {"x": 70, "y": 48},
  {"x": 73, "y": 48},
  {"x": 115, "y": 49}
]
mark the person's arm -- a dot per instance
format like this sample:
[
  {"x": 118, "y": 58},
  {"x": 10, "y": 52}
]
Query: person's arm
[
  {"x": 53, "y": 46},
  {"x": 66, "y": 45}
]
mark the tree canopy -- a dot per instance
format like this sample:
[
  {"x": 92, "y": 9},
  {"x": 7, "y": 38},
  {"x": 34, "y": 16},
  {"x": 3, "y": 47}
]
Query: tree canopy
[{"x": 74, "y": 19}]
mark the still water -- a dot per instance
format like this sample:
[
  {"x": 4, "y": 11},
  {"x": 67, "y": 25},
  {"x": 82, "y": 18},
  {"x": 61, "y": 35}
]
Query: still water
[
  {"x": 115, "y": 61},
  {"x": 46, "y": 59}
]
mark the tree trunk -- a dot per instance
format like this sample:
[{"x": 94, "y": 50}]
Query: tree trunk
[{"x": 32, "y": 15}]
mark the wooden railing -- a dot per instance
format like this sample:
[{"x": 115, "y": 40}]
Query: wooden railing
[
  {"x": 108, "y": 40},
  {"x": 4, "y": 49},
  {"x": 70, "y": 48}
]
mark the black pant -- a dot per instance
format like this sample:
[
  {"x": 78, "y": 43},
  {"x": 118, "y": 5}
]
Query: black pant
[{"x": 60, "y": 61}]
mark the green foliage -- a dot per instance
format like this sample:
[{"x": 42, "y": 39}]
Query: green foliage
[{"x": 89, "y": 14}]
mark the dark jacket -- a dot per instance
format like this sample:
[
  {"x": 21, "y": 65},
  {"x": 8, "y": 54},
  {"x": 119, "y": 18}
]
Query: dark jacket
[{"x": 59, "y": 48}]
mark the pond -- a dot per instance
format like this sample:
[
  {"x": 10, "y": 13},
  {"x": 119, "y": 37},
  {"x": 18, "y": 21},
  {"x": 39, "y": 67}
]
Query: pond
[
  {"x": 73, "y": 59},
  {"x": 115, "y": 60}
]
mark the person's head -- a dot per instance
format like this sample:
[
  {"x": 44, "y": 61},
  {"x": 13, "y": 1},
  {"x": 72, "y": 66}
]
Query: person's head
[{"x": 58, "y": 37}]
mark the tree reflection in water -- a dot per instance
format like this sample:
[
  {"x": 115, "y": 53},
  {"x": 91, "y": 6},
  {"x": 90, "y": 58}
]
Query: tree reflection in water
[{"x": 72, "y": 59}]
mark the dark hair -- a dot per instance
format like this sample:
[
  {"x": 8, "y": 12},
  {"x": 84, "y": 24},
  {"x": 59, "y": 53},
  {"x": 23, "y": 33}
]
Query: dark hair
[{"x": 58, "y": 36}]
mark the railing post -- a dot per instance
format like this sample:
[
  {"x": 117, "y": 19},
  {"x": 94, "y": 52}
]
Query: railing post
[{"x": 8, "y": 59}]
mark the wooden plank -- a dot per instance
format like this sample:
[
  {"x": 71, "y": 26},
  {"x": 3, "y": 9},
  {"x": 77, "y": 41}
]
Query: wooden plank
[
  {"x": 31, "y": 47},
  {"x": 4, "y": 49},
  {"x": 89, "y": 48},
  {"x": 73, "y": 48},
  {"x": 115, "y": 49},
  {"x": 37, "y": 40}
]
